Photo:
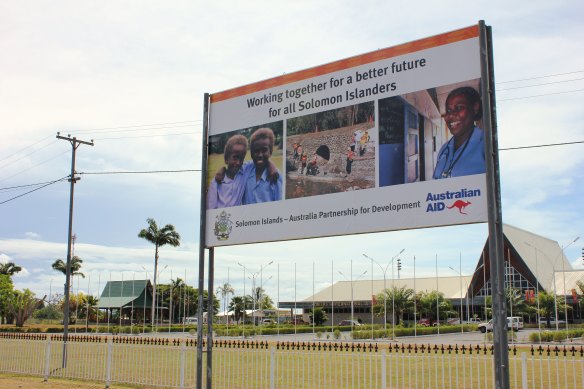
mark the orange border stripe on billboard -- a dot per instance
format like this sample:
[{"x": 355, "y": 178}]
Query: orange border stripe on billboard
[{"x": 406, "y": 48}]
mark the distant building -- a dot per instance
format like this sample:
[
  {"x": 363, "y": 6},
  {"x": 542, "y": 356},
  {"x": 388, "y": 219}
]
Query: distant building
[{"x": 532, "y": 263}]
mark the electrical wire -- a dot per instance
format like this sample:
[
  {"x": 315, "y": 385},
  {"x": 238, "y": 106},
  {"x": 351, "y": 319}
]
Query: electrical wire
[
  {"x": 45, "y": 184},
  {"x": 34, "y": 190},
  {"x": 141, "y": 172},
  {"x": 146, "y": 136},
  {"x": 24, "y": 148},
  {"x": 536, "y": 78},
  {"x": 26, "y": 155},
  {"x": 37, "y": 165},
  {"x": 538, "y": 146},
  {"x": 534, "y": 85},
  {"x": 545, "y": 94},
  {"x": 189, "y": 123}
]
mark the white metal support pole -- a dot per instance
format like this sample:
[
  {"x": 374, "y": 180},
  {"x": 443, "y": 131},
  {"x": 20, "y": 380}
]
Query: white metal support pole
[
  {"x": 273, "y": 366},
  {"x": 524, "y": 371},
  {"x": 47, "y": 359},
  {"x": 183, "y": 350},
  {"x": 108, "y": 368}
]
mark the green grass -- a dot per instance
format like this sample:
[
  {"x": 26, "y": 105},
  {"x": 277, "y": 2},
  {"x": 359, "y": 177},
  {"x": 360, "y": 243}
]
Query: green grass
[{"x": 308, "y": 365}]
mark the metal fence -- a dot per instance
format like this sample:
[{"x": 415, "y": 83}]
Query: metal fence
[{"x": 246, "y": 364}]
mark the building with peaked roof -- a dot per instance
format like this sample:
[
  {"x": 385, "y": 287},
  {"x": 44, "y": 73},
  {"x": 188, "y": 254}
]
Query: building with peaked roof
[
  {"x": 533, "y": 263},
  {"x": 132, "y": 298}
]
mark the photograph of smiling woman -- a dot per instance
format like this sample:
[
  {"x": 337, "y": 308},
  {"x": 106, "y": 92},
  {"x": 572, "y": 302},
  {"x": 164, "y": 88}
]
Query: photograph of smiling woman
[{"x": 464, "y": 153}]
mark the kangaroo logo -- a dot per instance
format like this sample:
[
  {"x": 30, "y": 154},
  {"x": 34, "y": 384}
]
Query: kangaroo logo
[{"x": 461, "y": 205}]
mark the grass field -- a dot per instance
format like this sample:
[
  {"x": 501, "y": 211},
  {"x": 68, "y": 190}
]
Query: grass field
[{"x": 251, "y": 364}]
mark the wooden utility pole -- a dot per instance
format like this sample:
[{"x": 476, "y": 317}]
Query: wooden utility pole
[{"x": 75, "y": 143}]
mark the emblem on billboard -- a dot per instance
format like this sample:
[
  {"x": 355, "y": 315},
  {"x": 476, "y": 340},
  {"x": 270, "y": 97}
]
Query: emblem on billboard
[
  {"x": 461, "y": 205},
  {"x": 223, "y": 226}
]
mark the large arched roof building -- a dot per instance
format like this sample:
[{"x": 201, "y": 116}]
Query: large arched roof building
[{"x": 533, "y": 263}]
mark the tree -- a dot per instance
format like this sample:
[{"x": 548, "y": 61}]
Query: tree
[
  {"x": 167, "y": 235},
  {"x": 237, "y": 306},
  {"x": 9, "y": 268},
  {"x": 428, "y": 303},
  {"x": 400, "y": 298},
  {"x": 547, "y": 306},
  {"x": 319, "y": 316},
  {"x": 60, "y": 265},
  {"x": 580, "y": 296},
  {"x": 6, "y": 291},
  {"x": 23, "y": 304},
  {"x": 224, "y": 291},
  {"x": 260, "y": 299}
]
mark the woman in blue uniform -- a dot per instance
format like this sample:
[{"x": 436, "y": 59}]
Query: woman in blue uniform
[{"x": 464, "y": 153}]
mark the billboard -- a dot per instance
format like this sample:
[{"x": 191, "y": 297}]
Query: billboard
[{"x": 387, "y": 140}]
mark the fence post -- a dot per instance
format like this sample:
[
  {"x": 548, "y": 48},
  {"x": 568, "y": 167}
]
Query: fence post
[
  {"x": 272, "y": 367},
  {"x": 48, "y": 359},
  {"x": 524, "y": 370},
  {"x": 183, "y": 349},
  {"x": 383, "y": 368},
  {"x": 108, "y": 367}
]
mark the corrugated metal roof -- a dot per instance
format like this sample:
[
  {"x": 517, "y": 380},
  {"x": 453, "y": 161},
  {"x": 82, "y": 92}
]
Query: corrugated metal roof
[
  {"x": 363, "y": 290},
  {"x": 543, "y": 257},
  {"x": 136, "y": 293}
]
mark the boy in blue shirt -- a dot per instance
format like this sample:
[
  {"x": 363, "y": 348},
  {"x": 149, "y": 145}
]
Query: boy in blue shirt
[
  {"x": 228, "y": 190},
  {"x": 259, "y": 188}
]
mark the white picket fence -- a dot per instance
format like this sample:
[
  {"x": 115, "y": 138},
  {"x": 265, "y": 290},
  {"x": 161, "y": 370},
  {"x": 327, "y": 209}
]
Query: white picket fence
[{"x": 253, "y": 364}]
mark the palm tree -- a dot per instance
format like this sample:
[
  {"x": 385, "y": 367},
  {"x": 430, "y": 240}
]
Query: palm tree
[
  {"x": 76, "y": 262},
  {"x": 224, "y": 291},
  {"x": 238, "y": 307},
  {"x": 9, "y": 268},
  {"x": 159, "y": 237},
  {"x": 399, "y": 298}
]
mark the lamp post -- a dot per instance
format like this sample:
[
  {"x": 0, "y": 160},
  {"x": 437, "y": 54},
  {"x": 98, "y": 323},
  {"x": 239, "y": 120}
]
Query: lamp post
[
  {"x": 253, "y": 277},
  {"x": 536, "y": 290},
  {"x": 384, "y": 271},
  {"x": 564, "y": 279},
  {"x": 352, "y": 297},
  {"x": 553, "y": 263},
  {"x": 157, "y": 319},
  {"x": 467, "y": 307}
]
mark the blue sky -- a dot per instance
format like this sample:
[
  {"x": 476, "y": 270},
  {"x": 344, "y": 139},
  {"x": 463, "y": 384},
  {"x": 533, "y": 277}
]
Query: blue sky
[{"x": 131, "y": 75}]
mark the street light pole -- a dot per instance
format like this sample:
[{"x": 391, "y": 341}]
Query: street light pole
[
  {"x": 461, "y": 292},
  {"x": 564, "y": 279},
  {"x": 352, "y": 296},
  {"x": 384, "y": 271}
]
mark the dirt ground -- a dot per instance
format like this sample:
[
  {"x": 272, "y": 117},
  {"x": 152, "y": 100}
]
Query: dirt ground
[{"x": 14, "y": 381}]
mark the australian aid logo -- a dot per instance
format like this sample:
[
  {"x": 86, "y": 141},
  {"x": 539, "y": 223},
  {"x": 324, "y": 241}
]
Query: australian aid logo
[{"x": 457, "y": 201}]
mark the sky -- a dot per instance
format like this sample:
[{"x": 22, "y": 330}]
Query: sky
[{"x": 131, "y": 76}]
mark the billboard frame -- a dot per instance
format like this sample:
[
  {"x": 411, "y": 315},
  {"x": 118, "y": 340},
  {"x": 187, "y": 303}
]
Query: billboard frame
[{"x": 501, "y": 353}]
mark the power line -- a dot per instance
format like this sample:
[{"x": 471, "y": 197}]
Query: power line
[
  {"x": 146, "y": 136},
  {"x": 104, "y": 129},
  {"x": 141, "y": 172},
  {"x": 32, "y": 167},
  {"x": 545, "y": 94},
  {"x": 534, "y": 85},
  {"x": 34, "y": 190},
  {"x": 26, "y": 155},
  {"x": 25, "y": 186},
  {"x": 199, "y": 170},
  {"x": 537, "y": 146},
  {"x": 24, "y": 148},
  {"x": 139, "y": 129},
  {"x": 536, "y": 78}
]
